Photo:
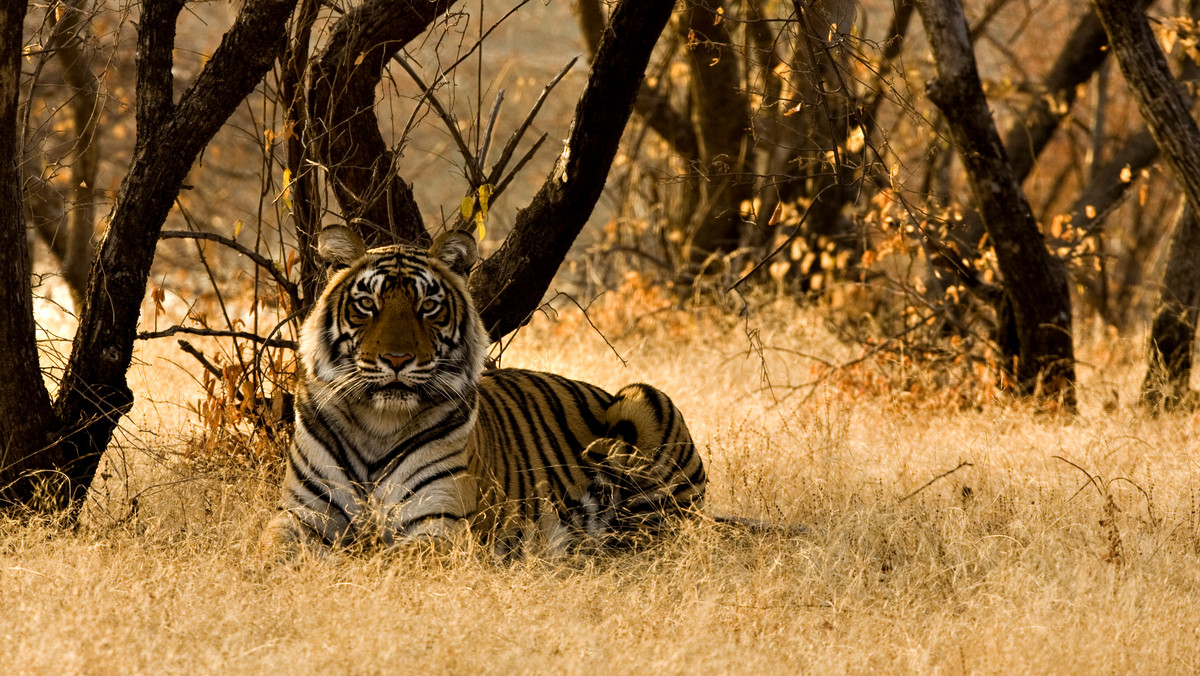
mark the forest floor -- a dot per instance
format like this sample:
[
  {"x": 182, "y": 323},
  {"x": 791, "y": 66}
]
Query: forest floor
[{"x": 948, "y": 530}]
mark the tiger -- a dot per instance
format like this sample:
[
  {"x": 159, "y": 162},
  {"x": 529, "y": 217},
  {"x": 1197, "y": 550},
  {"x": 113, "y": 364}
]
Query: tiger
[{"x": 402, "y": 433}]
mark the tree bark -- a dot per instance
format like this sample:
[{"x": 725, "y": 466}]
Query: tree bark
[
  {"x": 343, "y": 127},
  {"x": 508, "y": 286},
  {"x": 306, "y": 198},
  {"x": 1166, "y": 110},
  {"x": 1036, "y": 283},
  {"x": 721, "y": 118},
  {"x": 26, "y": 416},
  {"x": 1163, "y": 105},
  {"x": 1174, "y": 330},
  {"x": 93, "y": 393}
]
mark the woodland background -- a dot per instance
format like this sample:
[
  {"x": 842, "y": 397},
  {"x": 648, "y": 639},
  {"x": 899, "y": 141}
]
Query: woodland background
[{"x": 990, "y": 442}]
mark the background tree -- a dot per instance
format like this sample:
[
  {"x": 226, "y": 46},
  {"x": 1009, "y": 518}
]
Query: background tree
[{"x": 1167, "y": 113}]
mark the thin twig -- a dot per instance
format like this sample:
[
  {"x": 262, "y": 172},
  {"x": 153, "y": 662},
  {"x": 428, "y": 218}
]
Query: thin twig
[
  {"x": 208, "y": 366},
  {"x": 931, "y": 481},
  {"x": 520, "y": 165},
  {"x": 217, "y": 333},
  {"x": 511, "y": 146},
  {"x": 474, "y": 171},
  {"x": 584, "y": 310},
  {"x": 491, "y": 126}
]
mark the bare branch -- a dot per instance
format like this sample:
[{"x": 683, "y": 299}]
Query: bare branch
[
  {"x": 217, "y": 333},
  {"x": 511, "y": 145}
]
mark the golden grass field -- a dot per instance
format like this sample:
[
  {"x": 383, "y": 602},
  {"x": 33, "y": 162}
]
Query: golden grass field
[{"x": 1013, "y": 564}]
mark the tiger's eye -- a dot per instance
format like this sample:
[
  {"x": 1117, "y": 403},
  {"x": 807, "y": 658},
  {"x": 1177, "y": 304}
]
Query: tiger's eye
[
  {"x": 429, "y": 306},
  {"x": 365, "y": 306}
]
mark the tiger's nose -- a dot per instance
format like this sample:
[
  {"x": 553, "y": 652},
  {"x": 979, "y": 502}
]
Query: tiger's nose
[{"x": 396, "y": 361}]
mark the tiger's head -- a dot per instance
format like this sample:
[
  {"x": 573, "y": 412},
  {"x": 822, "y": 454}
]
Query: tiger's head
[{"x": 395, "y": 327}]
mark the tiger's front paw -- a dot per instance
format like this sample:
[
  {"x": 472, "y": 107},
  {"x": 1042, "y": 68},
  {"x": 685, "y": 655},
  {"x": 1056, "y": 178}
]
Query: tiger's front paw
[{"x": 285, "y": 540}]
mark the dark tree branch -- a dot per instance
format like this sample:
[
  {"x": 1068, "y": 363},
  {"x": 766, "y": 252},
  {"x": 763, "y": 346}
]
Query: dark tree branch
[
  {"x": 1079, "y": 58},
  {"x": 510, "y": 147},
  {"x": 509, "y": 285},
  {"x": 1107, "y": 186},
  {"x": 217, "y": 333},
  {"x": 306, "y": 200},
  {"x": 342, "y": 123},
  {"x": 155, "y": 83},
  {"x": 262, "y": 261}
]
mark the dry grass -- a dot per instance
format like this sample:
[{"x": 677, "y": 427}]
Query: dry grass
[{"x": 1015, "y": 563}]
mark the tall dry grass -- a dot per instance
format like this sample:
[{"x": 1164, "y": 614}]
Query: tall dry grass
[{"x": 1017, "y": 562}]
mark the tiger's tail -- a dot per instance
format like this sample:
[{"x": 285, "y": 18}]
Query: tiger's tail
[{"x": 648, "y": 455}]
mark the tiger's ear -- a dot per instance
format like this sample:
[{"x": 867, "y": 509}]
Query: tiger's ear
[
  {"x": 457, "y": 249},
  {"x": 340, "y": 246}
]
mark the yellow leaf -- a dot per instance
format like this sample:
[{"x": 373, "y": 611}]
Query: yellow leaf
[
  {"x": 479, "y": 225},
  {"x": 287, "y": 189},
  {"x": 467, "y": 208},
  {"x": 237, "y": 228},
  {"x": 1126, "y": 174},
  {"x": 485, "y": 194}
]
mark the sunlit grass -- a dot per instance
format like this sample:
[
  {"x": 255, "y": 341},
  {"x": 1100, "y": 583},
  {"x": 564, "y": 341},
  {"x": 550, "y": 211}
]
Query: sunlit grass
[{"x": 1012, "y": 563}]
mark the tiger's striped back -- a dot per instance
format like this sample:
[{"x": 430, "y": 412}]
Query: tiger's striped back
[{"x": 581, "y": 463}]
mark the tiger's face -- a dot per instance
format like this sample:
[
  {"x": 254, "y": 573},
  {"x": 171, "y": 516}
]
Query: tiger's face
[{"x": 395, "y": 328}]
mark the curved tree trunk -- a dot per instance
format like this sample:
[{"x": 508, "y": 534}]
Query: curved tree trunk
[
  {"x": 93, "y": 393},
  {"x": 1036, "y": 282}
]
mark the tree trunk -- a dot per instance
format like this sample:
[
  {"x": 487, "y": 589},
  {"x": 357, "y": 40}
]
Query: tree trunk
[
  {"x": 509, "y": 285},
  {"x": 1174, "y": 330},
  {"x": 1037, "y": 283},
  {"x": 721, "y": 118},
  {"x": 1165, "y": 108},
  {"x": 343, "y": 127},
  {"x": 26, "y": 417},
  {"x": 93, "y": 393}
]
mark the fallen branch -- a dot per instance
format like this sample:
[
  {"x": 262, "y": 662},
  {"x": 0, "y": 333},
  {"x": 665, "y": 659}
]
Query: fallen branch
[{"x": 936, "y": 478}]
